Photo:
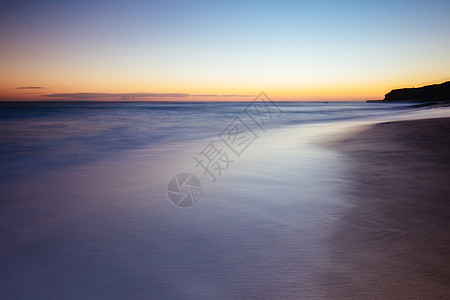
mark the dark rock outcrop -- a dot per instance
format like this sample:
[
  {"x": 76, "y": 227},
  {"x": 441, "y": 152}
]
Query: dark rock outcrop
[{"x": 435, "y": 92}]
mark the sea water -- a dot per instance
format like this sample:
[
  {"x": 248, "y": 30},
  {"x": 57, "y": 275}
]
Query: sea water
[{"x": 85, "y": 211}]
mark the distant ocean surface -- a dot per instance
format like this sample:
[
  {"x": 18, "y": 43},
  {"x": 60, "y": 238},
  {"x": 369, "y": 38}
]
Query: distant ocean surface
[
  {"x": 45, "y": 136},
  {"x": 85, "y": 213}
]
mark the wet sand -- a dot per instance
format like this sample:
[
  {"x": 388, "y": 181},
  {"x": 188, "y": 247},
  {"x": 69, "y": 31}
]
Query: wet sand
[
  {"x": 290, "y": 220},
  {"x": 394, "y": 240}
]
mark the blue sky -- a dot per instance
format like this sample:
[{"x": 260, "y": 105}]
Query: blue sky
[{"x": 291, "y": 49}]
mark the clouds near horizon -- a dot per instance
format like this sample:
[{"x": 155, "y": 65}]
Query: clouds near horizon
[
  {"x": 29, "y": 87},
  {"x": 128, "y": 96}
]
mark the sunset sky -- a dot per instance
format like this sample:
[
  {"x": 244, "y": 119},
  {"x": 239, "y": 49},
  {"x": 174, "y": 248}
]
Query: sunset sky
[{"x": 193, "y": 50}]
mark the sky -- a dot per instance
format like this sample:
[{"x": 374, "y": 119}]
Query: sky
[{"x": 220, "y": 50}]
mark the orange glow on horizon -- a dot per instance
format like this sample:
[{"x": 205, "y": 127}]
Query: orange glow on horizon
[{"x": 305, "y": 93}]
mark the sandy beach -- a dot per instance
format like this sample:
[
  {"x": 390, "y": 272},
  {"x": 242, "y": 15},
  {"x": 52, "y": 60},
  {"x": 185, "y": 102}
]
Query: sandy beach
[
  {"x": 362, "y": 217},
  {"x": 235, "y": 150},
  {"x": 393, "y": 242}
]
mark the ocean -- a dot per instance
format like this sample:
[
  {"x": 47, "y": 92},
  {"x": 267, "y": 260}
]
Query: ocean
[
  {"x": 92, "y": 200},
  {"x": 39, "y": 137}
]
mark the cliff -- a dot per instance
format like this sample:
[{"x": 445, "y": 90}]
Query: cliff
[{"x": 435, "y": 92}]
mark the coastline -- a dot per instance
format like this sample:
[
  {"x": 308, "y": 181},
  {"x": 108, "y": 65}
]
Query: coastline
[
  {"x": 263, "y": 230},
  {"x": 393, "y": 241}
]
